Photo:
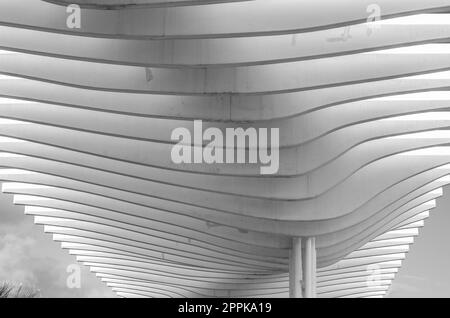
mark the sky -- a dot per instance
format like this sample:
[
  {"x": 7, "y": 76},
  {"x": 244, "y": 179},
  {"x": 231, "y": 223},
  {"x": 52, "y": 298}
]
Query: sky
[
  {"x": 425, "y": 272},
  {"x": 30, "y": 256}
]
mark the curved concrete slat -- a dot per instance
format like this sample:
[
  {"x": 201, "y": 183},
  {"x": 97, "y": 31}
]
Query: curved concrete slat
[{"x": 218, "y": 20}]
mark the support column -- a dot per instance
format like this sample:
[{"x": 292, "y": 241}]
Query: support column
[
  {"x": 309, "y": 269},
  {"x": 295, "y": 269},
  {"x": 314, "y": 267}
]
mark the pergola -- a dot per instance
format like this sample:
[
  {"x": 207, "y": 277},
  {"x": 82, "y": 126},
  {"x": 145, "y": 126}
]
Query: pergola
[{"x": 361, "y": 106}]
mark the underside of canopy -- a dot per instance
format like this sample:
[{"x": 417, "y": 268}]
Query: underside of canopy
[{"x": 86, "y": 116}]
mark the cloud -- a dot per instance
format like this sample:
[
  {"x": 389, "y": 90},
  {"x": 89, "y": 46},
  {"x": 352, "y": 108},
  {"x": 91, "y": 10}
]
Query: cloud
[
  {"x": 29, "y": 256},
  {"x": 414, "y": 286},
  {"x": 14, "y": 251}
]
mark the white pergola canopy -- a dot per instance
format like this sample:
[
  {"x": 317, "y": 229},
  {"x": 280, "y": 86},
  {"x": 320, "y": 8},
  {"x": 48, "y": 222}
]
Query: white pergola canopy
[{"x": 87, "y": 115}]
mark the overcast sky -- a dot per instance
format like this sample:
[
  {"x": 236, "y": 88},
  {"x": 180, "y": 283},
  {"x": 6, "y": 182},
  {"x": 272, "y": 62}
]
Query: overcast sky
[
  {"x": 28, "y": 255},
  {"x": 425, "y": 272}
]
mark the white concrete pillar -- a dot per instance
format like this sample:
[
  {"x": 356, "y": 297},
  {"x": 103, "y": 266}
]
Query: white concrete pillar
[
  {"x": 314, "y": 268},
  {"x": 295, "y": 269},
  {"x": 309, "y": 269}
]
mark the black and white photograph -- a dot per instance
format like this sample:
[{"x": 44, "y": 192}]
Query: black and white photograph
[{"x": 225, "y": 154}]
